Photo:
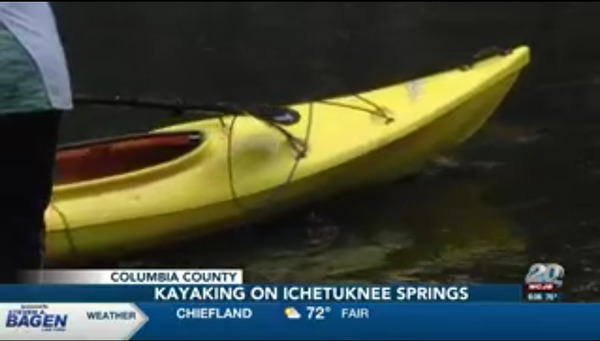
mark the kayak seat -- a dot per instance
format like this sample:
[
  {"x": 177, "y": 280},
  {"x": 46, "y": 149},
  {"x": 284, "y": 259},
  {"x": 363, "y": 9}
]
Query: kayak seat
[{"x": 101, "y": 159}]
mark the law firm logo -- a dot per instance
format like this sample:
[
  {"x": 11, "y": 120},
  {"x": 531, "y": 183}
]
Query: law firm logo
[{"x": 36, "y": 316}]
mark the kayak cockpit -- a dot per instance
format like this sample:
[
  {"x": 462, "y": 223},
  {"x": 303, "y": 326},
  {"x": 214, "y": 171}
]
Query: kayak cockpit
[{"x": 116, "y": 156}]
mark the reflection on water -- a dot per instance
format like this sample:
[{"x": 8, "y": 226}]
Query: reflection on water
[{"x": 513, "y": 196}]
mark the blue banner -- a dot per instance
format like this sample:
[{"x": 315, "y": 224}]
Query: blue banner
[
  {"x": 384, "y": 312},
  {"x": 371, "y": 321},
  {"x": 260, "y": 293}
]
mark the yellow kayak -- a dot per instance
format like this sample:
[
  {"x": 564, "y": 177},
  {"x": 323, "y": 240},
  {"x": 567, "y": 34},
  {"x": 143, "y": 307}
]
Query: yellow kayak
[{"x": 135, "y": 192}]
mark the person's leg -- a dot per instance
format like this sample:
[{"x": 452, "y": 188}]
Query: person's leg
[{"x": 27, "y": 153}]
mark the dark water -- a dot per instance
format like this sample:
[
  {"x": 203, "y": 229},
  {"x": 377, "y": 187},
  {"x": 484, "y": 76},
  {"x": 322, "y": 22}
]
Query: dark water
[
  {"x": 288, "y": 52},
  {"x": 523, "y": 191}
]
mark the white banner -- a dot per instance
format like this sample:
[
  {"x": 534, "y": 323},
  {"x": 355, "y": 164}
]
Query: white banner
[
  {"x": 70, "y": 321},
  {"x": 137, "y": 277}
]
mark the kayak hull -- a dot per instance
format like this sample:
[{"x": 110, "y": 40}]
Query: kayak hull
[{"x": 73, "y": 234}]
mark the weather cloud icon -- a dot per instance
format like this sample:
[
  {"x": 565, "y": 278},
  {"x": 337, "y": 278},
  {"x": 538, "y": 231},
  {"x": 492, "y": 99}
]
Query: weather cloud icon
[{"x": 292, "y": 313}]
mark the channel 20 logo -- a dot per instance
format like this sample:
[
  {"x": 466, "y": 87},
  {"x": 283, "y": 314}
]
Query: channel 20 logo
[{"x": 544, "y": 277}]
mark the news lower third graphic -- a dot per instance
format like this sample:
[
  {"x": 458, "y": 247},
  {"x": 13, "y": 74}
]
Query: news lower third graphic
[{"x": 216, "y": 304}]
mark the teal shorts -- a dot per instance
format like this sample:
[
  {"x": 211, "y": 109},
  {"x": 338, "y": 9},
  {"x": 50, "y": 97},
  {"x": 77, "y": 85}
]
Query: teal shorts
[{"x": 22, "y": 88}]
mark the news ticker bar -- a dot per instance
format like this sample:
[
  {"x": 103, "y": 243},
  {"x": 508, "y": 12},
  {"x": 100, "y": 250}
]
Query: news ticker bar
[
  {"x": 162, "y": 321},
  {"x": 410, "y": 293}
]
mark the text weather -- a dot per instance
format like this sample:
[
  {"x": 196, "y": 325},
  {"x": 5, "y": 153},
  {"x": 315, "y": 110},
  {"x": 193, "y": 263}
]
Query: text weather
[
  {"x": 36, "y": 316},
  {"x": 99, "y": 315}
]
